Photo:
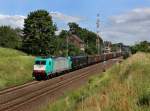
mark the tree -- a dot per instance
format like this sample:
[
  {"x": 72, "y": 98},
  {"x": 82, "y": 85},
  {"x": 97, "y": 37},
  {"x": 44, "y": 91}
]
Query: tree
[
  {"x": 9, "y": 37},
  {"x": 39, "y": 33},
  {"x": 73, "y": 50},
  {"x": 74, "y": 28}
]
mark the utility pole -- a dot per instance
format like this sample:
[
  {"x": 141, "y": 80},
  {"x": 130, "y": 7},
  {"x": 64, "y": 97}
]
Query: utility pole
[
  {"x": 67, "y": 40},
  {"x": 98, "y": 31},
  {"x": 98, "y": 40}
]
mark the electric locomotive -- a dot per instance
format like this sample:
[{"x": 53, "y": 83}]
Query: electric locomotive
[{"x": 47, "y": 67}]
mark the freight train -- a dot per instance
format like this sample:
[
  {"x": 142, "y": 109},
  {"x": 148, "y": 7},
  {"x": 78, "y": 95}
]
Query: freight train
[{"x": 47, "y": 67}]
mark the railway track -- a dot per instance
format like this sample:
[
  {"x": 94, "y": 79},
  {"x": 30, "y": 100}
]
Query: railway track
[
  {"x": 11, "y": 99},
  {"x": 4, "y": 91},
  {"x": 13, "y": 93},
  {"x": 20, "y": 100}
]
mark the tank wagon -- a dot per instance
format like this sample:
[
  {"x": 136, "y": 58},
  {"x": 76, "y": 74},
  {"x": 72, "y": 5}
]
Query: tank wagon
[{"x": 51, "y": 66}]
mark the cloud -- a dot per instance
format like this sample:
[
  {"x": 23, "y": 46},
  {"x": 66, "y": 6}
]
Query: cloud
[
  {"x": 130, "y": 27},
  {"x": 13, "y": 21},
  {"x": 65, "y": 18},
  {"x": 18, "y": 20}
]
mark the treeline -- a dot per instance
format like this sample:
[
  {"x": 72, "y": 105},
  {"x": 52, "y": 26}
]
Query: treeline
[
  {"x": 143, "y": 46},
  {"x": 10, "y": 37},
  {"x": 38, "y": 37}
]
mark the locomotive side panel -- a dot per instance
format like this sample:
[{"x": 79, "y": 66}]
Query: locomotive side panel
[{"x": 60, "y": 64}]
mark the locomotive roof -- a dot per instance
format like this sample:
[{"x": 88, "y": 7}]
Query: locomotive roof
[
  {"x": 46, "y": 58},
  {"x": 40, "y": 58}
]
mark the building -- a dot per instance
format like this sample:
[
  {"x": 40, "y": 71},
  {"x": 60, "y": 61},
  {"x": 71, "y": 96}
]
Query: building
[{"x": 77, "y": 42}]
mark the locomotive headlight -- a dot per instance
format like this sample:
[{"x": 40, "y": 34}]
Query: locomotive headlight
[{"x": 39, "y": 67}]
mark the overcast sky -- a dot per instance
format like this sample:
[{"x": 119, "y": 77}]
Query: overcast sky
[{"x": 124, "y": 21}]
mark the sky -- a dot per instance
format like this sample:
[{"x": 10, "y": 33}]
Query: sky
[{"x": 126, "y": 21}]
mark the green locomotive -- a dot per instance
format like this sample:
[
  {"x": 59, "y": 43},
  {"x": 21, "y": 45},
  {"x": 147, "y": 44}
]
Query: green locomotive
[{"x": 46, "y": 67}]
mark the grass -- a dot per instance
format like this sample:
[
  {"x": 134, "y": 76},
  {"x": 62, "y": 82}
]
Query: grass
[
  {"x": 6, "y": 52},
  {"x": 125, "y": 87},
  {"x": 15, "y": 67}
]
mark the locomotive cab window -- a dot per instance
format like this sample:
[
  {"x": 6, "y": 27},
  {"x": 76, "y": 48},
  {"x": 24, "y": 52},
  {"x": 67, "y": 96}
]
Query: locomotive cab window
[{"x": 40, "y": 62}]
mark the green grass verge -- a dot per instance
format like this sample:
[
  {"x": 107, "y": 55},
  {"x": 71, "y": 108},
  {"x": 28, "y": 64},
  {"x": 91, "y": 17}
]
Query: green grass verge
[
  {"x": 125, "y": 87},
  {"x": 6, "y": 52},
  {"x": 15, "y": 67}
]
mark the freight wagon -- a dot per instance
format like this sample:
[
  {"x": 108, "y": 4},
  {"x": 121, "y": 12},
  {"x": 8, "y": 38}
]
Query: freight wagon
[{"x": 79, "y": 62}]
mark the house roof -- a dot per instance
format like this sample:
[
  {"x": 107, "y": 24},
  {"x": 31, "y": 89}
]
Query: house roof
[{"x": 77, "y": 38}]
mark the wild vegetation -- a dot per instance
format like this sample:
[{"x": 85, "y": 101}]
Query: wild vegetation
[
  {"x": 143, "y": 46},
  {"x": 124, "y": 87},
  {"x": 15, "y": 67}
]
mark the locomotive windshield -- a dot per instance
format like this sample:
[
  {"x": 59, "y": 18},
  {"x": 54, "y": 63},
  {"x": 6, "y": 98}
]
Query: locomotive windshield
[{"x": 40, "y": 62}]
